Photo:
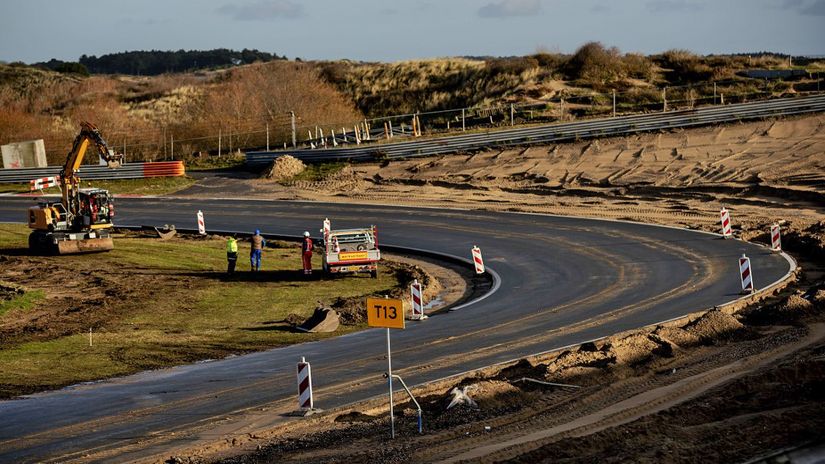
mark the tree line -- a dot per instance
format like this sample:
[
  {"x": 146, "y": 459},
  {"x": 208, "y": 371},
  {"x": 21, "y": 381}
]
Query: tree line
[{"x": 156, "y": 62}]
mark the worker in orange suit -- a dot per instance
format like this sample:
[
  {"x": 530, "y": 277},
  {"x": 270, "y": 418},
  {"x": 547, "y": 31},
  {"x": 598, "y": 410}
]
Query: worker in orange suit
[{"x": 306, "y": 253}]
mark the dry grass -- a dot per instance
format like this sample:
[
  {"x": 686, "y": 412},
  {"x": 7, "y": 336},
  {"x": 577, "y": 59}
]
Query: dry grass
[{"x": 145, "y": 113}]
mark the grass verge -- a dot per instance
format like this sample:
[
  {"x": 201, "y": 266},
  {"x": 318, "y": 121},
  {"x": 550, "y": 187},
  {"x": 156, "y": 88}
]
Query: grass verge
[
  {"x": 148, "y": 186},
  {"x": 153, "y": 304}
]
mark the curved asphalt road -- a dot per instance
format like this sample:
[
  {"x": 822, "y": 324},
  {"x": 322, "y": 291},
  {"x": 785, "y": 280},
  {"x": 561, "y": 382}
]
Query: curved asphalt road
[{"x": 563, "y": 281}]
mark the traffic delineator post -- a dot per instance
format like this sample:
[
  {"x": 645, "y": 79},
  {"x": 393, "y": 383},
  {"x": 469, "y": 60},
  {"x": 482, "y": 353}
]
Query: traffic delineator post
[
  {"x": 776, "y": 238},
  {"x": 417, "y": 302},
  {"x": 305, "y": 399},
  {"x": 478, "y": 260},
  {"x": 746, "y": 274},
  {"x": 325, "y": 231},
  {"x": 724, "y": 216},
  {"x": 201, "y": 224}
]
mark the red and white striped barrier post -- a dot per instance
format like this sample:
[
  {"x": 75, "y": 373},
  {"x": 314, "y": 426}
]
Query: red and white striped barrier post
[
  {"x": 44, "y": 182},
  {"x": 776, "y": 238},
  {"x": 745, "y": 274},
  {"x": 725, "y": 218},
  {"x": 417, "y": 300},
  {"x": 201, "y": 224},
  {"x": 478, "y": 260},
  {"x": 326, "y": 229},
  {"x": 305, "y": 400}
]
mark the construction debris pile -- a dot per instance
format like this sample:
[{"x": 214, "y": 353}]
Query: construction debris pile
[{"x": 284, "y": 168}]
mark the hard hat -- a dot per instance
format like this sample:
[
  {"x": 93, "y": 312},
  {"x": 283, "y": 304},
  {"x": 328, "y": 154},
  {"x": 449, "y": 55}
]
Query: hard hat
[
  {"x": 257, "y": 231},
  {"x": 306, "y": 234}
]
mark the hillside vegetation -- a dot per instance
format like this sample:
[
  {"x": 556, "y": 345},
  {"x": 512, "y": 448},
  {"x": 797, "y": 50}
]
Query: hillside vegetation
[
  {"x": 246, "y": 107},
  {"x": 146, "y": 114},
  {"x": 380, "y": 89}
]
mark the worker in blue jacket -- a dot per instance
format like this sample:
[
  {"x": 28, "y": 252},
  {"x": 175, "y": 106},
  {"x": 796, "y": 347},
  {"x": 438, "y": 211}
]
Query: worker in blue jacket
[{"x": 258, "y": 244}]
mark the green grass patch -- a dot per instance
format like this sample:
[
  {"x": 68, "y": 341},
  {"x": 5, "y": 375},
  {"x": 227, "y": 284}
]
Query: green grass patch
[
  {"x": 210, "y": 162},
  {"x": 319, "y": 171},
  {"x": 13, "y": 236},
  {"x": 148, "y": 186},
  {"x": 23, "y": 302},
  {"x": 16, "y": 188},
  {"x": 168, "y": 303}
]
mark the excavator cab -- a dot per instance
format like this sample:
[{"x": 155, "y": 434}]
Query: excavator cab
[{"x": 97, "y": 210}]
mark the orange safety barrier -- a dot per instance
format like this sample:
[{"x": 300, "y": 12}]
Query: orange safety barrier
[{"x": 164, "y": 169}]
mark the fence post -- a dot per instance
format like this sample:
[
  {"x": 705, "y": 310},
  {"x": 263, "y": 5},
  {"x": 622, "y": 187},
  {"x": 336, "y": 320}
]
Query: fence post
[
  {"x": 512, "y": 114},
  {"x": 614, "y": 103},
  {"x": 294, "y": 140},
  {"x": 219, "y": 142},
  {"x": 267, "y": 137},
  {"x": 463, "y": 127},
  {"x": 172, "y": 145},
  {"x": 664, "y": 99},
  {"x": 714, "y": 93}
]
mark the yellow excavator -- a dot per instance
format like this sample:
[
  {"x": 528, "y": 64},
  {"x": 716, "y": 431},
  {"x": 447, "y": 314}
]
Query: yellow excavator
[{"x": 81, "y": 221}]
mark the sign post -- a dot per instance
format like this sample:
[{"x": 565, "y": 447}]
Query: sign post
[{"x": 389, "y": 313}]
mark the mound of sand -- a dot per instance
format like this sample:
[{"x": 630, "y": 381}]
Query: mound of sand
[
  {"x": 714, "y": 325},
  {"x": 639, "y": 347},
  {"x": 488, "y": 394},
  {"x": 796, "y": 304},
  {"x": 582, "y": 357},
  {"x": 284, "y": 167},
  {"x": 676, "y": 336}
]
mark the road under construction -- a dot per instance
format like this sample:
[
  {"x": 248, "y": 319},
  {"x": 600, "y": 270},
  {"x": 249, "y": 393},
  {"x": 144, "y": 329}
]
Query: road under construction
[{"x": 555, "y": 282}]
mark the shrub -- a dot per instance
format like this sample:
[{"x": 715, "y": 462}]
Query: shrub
[
  {"x": 638, "y": 66},
  {"x": 595, "y": 65},
  {"x": 684, "y": 67}
]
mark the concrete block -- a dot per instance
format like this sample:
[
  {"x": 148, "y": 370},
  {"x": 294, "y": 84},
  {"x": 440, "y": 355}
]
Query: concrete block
[{"x": 29, "y": 154}]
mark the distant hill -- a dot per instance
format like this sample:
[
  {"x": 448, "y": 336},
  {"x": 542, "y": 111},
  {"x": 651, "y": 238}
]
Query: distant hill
[{"x": 156, "y": 62}]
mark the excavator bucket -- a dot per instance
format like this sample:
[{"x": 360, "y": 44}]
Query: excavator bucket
[{"x": 90, "y": 245}]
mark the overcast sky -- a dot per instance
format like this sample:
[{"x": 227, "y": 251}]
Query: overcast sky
[{"x": 375, "y": 30}]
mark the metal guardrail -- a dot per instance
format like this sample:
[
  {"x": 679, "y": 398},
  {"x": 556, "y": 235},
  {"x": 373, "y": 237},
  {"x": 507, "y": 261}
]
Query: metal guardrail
[
  {"x": 553, "y": 133},
  {"x": 95, "y": 172}
]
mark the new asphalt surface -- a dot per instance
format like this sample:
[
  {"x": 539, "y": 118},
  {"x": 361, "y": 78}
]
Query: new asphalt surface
[{"x": 563, "y": 281}]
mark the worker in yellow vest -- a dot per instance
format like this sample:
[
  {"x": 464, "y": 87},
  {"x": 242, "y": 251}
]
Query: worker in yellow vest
[{"x": 231, "y": 254}]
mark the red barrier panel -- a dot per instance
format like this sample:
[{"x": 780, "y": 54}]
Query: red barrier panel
[{"x": 164, "y": 169}]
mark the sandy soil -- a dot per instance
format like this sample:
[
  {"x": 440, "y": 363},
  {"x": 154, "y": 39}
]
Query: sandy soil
[
  {"x": 682, "y": 177},
  {"x": 725, "y": 386}
]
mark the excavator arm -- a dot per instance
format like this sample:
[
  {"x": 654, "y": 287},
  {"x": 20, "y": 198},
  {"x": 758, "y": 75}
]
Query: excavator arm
[{"x": 70, "y": 182}]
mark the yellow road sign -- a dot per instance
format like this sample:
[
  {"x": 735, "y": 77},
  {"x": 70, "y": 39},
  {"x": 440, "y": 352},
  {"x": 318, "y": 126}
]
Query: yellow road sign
[{"x": 385, "y": 312}]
